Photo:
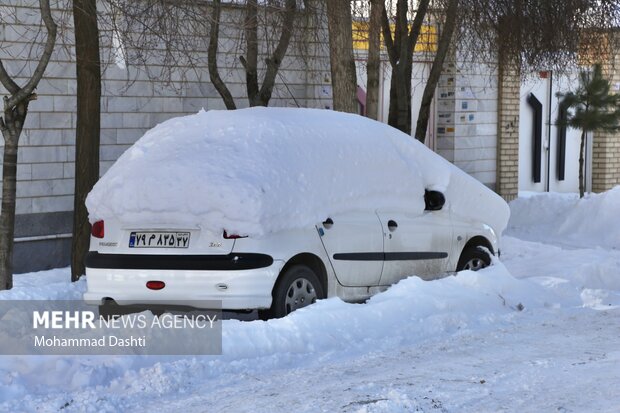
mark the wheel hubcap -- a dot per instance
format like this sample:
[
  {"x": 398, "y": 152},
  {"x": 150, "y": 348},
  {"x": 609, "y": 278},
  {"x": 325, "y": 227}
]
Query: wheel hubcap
[
  {"x": 474, "y": 264},
  {"x": 300, "y": 294}
]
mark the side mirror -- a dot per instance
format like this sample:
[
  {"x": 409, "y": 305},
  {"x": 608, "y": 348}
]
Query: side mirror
[{"x": 433, "y": 200}]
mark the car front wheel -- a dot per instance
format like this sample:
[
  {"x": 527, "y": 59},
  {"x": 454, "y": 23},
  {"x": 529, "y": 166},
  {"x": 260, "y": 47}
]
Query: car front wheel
[
  {"x": 473, "y": 259},
  {"x": 296, "y": 288}
]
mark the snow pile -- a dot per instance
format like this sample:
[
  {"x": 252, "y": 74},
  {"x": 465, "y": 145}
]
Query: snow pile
[
  {"x": 589, "y": 227},
  {"x": 45, "y": 285},
  {"x": 578, "y": 277},
  {"x": 260, "y": 170},
  {"x": 390, "y": 319},
  {"x": 593, "y": 221},
  {"x": 470, "y": 301}
]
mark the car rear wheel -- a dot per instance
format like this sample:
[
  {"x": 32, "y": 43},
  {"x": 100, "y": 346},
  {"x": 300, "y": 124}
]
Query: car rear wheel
[
  {"x": 110, "y": 310},
  {"x": 296, "y": 288},
  {"x": 473, "y": 259}
]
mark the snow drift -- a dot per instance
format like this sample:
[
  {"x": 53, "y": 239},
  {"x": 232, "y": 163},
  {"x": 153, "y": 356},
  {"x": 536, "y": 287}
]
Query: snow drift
[
  {"x": 261, "y": 170},
  {"x": 565, "y": 219},
  {"x": 330, "y": 328}
]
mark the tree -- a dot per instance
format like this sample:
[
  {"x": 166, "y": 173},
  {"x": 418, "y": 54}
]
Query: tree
[
  {"x": 373, "y": 66},
  {"x": 11, "y": 124},
  {"x": 443, "y": 46},
  {"x": 341, "y": 59},
  {"x": 532, "y": 35},
  {"x": 400, "y": 49},
  {"x": 214, "y": 72},
  {"x": 260, "y": 95},
  {"x": 88, "y": 72},
  {"x": 593, "y": 107},
  {"x": 173, "y": 34}
]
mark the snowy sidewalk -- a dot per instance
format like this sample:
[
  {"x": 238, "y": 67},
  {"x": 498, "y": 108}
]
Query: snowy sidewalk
[{"x": 565, "y": 361}]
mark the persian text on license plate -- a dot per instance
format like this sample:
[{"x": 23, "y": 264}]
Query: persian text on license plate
[{"x": 159, "y": 239}]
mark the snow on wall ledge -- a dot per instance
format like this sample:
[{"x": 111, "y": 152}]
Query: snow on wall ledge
[{"x": 260, "y": 170}]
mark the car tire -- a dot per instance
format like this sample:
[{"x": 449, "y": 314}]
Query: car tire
[
  {"x": 297, "y": 287},
  {"x": 473, "y": 259},
  {"x": 109, "y": 310}
]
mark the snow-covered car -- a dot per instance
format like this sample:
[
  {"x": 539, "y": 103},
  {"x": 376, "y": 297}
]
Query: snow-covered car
[{"x": 274, "y": 208}]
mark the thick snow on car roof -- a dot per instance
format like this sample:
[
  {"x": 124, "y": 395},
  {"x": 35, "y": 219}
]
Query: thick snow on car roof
[{"x": 260, "y": 170}]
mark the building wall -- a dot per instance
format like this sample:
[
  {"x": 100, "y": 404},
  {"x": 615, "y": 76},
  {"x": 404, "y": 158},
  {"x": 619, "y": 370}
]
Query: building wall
[
  {"x": 606, "y": 145},
  {"x": 545, "y": 86},
  {"x": 134, "y": 100},
  {"x": 605, "y": 161},
  {"x": 466, "y": 131},
  {"x": 509, "y": 82}
]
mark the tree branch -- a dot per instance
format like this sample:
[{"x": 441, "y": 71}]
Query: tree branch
[
  {"x": 401, "y": 30},
  {"x": 7, "y": 81},
  {"x": 25, "y": 92},
  {"x": 273, "y": 63},
  {"x": 250, "y": 63},
  {"x": 387, "y": 38},
  {"x": 214, "y": 73},
  {"x": 417, "y": 24},
  {"x": 433, "y": 77},
  {"x": 373, "y": 65}
]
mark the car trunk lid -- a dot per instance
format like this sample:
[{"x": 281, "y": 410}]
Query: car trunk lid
[{"x": 161, "y": 240}]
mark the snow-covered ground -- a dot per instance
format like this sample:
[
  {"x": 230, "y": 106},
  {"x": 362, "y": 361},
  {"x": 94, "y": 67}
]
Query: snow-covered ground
[{"x": 538, "y": 331}]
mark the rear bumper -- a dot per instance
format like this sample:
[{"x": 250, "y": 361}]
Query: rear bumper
[
  {"x": 228, "y": 262},
  {"x": 238, "y": 289}
]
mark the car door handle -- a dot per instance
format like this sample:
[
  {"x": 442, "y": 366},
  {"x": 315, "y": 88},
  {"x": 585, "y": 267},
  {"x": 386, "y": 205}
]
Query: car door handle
[
  {"x": 328, "y": 223},
  {"x": 392, "y": 225}
]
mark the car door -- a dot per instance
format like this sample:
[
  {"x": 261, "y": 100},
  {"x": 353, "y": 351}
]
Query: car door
[
  {"x": 415, "y": 244},
  {"x": 354, "y": 244}
]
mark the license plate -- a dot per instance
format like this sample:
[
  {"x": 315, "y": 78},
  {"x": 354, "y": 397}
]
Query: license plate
[{"x": 159, "y": 239}]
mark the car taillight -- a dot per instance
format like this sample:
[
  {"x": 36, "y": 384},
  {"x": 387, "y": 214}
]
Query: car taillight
[
  {"x": 233, "y": 236},
  {"x": 97, "y": 230},
  {"x": 155, "y": 285}
]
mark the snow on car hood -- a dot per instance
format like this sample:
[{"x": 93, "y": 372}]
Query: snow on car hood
[{"x": 261, "y": 170}]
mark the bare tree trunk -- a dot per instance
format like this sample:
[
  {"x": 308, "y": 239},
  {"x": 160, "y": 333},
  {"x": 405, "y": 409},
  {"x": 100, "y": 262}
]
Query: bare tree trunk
[
  {"x": 88, "y": 72},
  {"x": 7, "y": 219},
  {"x": 11, "y": 125},
  {"x": 274, "y": 62},
  {"x": 582, "y": 184},
  {"x": 400, "y": 50},
  {"x": 214, "y": 73},
  {"x": 251, "y": 62},
  {"x": 344, "y": 80},
  {"x": 402, "y": 109},
  {"x": 373, "y": 66},
  {"x": 262, "y": 96},
  {"x": 433, "y": 77}
]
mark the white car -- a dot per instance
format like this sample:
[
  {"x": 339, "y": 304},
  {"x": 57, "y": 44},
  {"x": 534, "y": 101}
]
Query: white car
[{"x": 274, "y": 232}]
